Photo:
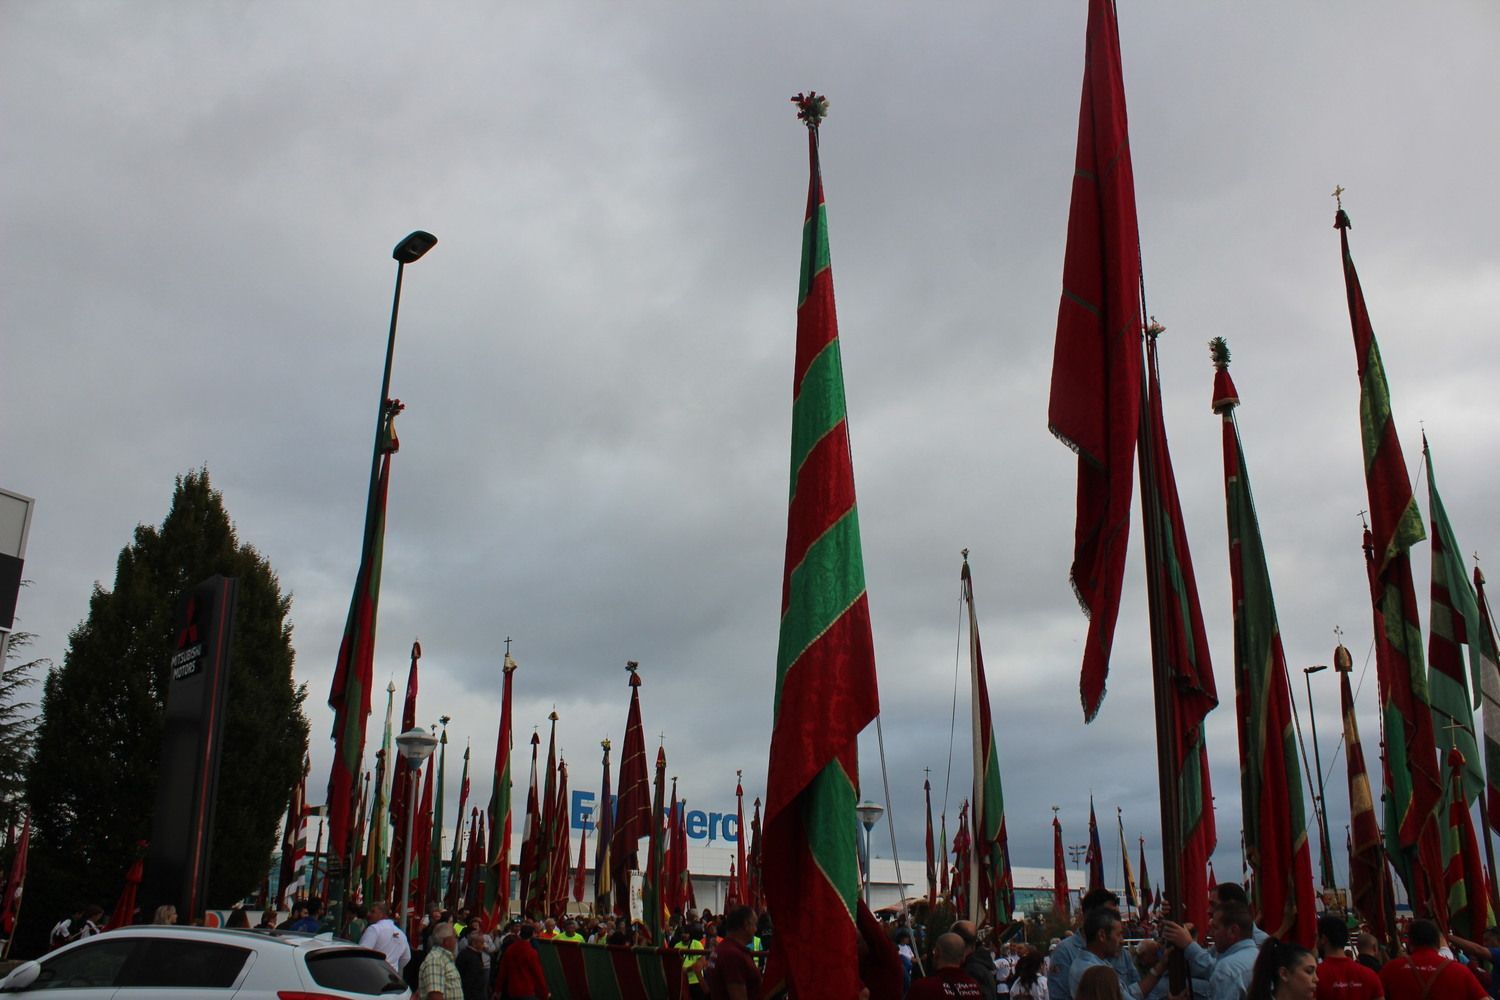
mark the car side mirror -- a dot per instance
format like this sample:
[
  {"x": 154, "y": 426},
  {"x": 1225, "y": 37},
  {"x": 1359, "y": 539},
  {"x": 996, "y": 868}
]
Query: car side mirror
[{"x": 21, "y": 977}]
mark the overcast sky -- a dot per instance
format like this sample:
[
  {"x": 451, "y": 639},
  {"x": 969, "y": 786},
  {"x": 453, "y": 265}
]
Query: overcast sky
[{"x": 199, "y": 202}]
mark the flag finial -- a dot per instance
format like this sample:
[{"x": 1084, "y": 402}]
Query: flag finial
[
  {"x": 635, "y": 678},
  {"x": 1340, "y": 217},
  {"x": 812, "y": 108},
  {"x": 1154, "y": 329},
  {"x": 1226, "y": 396},
  {"x": 1338, "y": 195}
]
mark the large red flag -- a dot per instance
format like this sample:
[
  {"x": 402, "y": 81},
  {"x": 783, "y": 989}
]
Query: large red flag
[
  {"x": 403, "y": 785},
  {"x": 1059, "y": 872},
  {"x": 353, "y": 674},
  {"x": 1413, "y": 777},
  {"x": 1275, "y": 824},
  {"x": 293, "y": 837},
  {"x": 562, "y": 852},
  {"x": 581, "y": 872},
  {"x": 755, "y": 883},
  {"x": 545, "y": 884},
  {"x": 825, "y": 661},
  {"x": 531, "y": 834},
  {"x": 932, "y": 874},
  {"x": 123, "y": 915},
  {"x": 422, "y": 838},
  {"x": 497, "y": 865},
  {"x": 10, "y": 910},
  {"x": 1096, "y": 363},
  {"x": 1467, "y": 886},
  {"x": 740, "y": 833},
  {"x": 1368, "y": 881},
  {"x": 1095, "y": 854},
  {"x": 633, "y": 801}
]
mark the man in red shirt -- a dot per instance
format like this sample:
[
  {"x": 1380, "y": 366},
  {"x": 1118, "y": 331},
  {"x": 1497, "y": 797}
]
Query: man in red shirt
[
  {"x": 731, "y": 973},
  {"x": 950, "y": 982},
  {"x": 519, "y": 975},
  {"x": 1339, "y": 976},
  {"x": 1426, "y": 975}
]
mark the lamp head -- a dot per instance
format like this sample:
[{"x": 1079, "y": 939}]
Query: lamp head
[
  {"x": 416, "y": 745},
  {"x": 413, "y": 247}
]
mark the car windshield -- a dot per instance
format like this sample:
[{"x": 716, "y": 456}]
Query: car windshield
[{"x": 354, "y": 970}]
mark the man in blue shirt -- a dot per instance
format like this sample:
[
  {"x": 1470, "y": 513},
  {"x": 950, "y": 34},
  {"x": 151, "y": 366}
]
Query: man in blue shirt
[
  {"x": 1105, "y": 937},
  {"x": 1232, "y": 933},
  {"x": 1060, "y": 962}
]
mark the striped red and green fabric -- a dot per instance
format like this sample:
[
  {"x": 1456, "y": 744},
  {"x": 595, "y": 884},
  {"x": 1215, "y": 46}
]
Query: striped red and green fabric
[
  {"x": 1275, "y": 825},
  {"x": 1413, "y": 777},
  {"x": 434, "y": 874},
  {"x": 1059, "y": 871},
  {"x": 1367, "y": 872},
  {"x": 1182, "y": 645},
  {"x": 560, "y": 865},
  {"x": 349, "y": 697},
  {"x": 541, "y": 871},
  {"x": 531, "y": 891},
  {"x": 962, "y": 861},
  {"x": 1094, "y": 856},
  {"x": 1148, "y": 898},
  {"x": 633, "y": 803},
  {"x": 1469, "y": 913},
  {"x": 674, "y": 897},
  {"x": 600, "y": 972},
  {"x": 378, "y": 849},
  {"x": 932, "y": 874},
  {"x": 497, "y": 865},
  {"x": 653, "y": 890},
  {"x": 451, "y": 897},
  {"x": 1453, "y": 623},
  {"x": 603, "y": 891},
  {"x": 1095, "y": 400},
  {"x": 1489, "y": 688},
  {"x": 991, "y": 846},
  {"x": 293, "y": 839},
  {"x": 403, "y": 786},
  {"x": 1132, "y": 895},
  {"x": 825, "y": 661}
]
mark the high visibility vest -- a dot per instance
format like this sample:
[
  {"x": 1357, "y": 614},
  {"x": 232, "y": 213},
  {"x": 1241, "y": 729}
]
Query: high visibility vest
[{"x": 693, "y": 946}]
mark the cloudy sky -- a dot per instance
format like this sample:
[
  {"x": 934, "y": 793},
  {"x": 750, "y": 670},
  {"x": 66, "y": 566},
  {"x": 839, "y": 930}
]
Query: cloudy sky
[{"x": 200, "y": 200}]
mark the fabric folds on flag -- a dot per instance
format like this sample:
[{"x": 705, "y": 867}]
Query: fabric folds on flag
[
  {"x": 605, "y": 824},
  {"x": 1275, "y": 823},
  {"x": 1148, "y": 898},
  {"x": 562, "y": 852},
  {"x": 434, "y": 876},
  {"x": 10, "y": 909},
  {"x": 403, "y": 786},
  {"x": 1059, "y": 872},
  {"x": 544, "y": 884},
  {"x": 293, "y": 840},
  {"x": 962, "y": 858},
  {"x": 1367, "y": 872},
  {"x": 633, "y": 802},
  {"x": 531, "y": 838},
  {"x": 653, "y": 896},
  {"x": 1132, "y": 897},
  {"x": 825, "y": 663},
  {"x": 378, "y": 846},
  {"x": 1489, "y": 687},
  {"x": 1181, "y": 644},
  {"x": 991, "y": 846},
  {"x": 353, "y": 673},
  {"x": 497, "y": 865},
  {"x": 1467, "y": 886},
  {"x": 932, "y": 875},
  {"x": 1094, "y": 857},
  {"x": 1095, "y": 400},
  {"x": 1413, "y": 777}
]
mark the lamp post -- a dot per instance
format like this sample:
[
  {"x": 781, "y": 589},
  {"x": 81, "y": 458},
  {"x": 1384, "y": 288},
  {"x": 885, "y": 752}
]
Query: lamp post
[
  {"x": 1321, "y": 804},
  {"x": 415, "y": 746},
  {"x": 408, "y": 251},
  {"x": 869, "y": 814}
]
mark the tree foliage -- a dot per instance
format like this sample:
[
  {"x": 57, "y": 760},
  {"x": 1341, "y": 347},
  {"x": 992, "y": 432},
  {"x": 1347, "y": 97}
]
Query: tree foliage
[
  {"x": 92, "y": 781},
  {"x": 18, "y": 720}
]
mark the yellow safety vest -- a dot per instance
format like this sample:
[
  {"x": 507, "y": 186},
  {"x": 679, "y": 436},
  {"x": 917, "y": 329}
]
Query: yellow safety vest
[{"x": 696, "y": 946}]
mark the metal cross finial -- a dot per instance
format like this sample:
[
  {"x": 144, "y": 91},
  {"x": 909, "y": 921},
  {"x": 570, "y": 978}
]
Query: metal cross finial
[
  {"x": 1054, "y": 812},
  {"x": 1338, "y": 195},
  {"x": 927, "y": 771},
  {"x": 661, "y": 738},
  {"x": 1362, "y": 519},
  {"x": 1339, "y": 632},
  {"x": 507, "y": 645},
  {"x": 965, "y": 554},
  {"x": 445, "y": 719}
]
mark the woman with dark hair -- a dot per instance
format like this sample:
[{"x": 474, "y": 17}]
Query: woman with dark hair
[
  {"x": 1099, "y": 982},
  {"x": 1028, "y": 983},
  {"x": 1283, "y": 971}
]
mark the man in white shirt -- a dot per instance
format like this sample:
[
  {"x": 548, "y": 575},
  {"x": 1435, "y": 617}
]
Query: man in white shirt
[{"x": 384, "y": 936}]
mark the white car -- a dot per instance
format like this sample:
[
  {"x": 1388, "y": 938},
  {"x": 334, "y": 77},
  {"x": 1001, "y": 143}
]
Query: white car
[{"x": 156, "y": 962}]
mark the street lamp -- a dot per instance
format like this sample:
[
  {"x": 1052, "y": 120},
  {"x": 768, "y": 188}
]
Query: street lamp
[
  {"x": 869, "y": 814},
  {"x": 1322, "y": 804},
  {"x": 415, "y": 745},
  {"x": 406, "y": 252}
]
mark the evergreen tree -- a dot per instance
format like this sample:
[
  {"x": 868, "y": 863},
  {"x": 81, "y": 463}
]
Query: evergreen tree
[
  {"x": 92, "y": 782},
  {"x": 18, "y": 721}
]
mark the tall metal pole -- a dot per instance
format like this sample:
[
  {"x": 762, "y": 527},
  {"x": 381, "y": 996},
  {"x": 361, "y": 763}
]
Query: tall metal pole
[
  {"x": 413, "y": 767},
  {"x": 1322, "y": 803}
]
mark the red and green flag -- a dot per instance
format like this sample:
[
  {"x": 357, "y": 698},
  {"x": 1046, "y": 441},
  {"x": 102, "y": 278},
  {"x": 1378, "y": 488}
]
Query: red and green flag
[
  {"x": 1148, "y": 898},
  {"x": 675, "y": 864},
  {"x": 1367, "y": 872},
  {"x": 497, "y": 865},
  {"x": 1454, "y": 624},
  {"x": 1469, "y": 913},
  {"x": 740, "y": 833},
  {"x": 10, "y": 909},
  {"x": 755, "y": 883},
  {"x": 543, "y": 875},
  {"x": 403, "y": 787},
  {"x": 378, "y": 847},
  {"x": 531, "y": 891},
  {"x": 1132, "y": 896},
  {"x": 434, "y": 879},
  {"x": 1059, "y": 871},
  {"x": 603, "y": 895},
  {"x": 1094, "y": 856},
  {"x": 1096, "y": 364},
  {"x": 353, "y": 673},
  {"x": 562, "y": 852},
  {"x": 825, "y": 661},
  {"x": 455, "y": 859},
  {"x": 293, "y": 840},
  {"x": 633, "y": 801},
  {"x": 1275, "y": 825},
  {"x": 1489, "y": 688},
  {"x": 581, "y": 871},
  {"x": 1181, "y": 647},
  {"x": 962, "y": 859},
  {"x": 991, "y": 847},
  {"x": 932, "y": 874},
  {"x": 1413, "y": 776},
  {"x": 653, "y": 895}
]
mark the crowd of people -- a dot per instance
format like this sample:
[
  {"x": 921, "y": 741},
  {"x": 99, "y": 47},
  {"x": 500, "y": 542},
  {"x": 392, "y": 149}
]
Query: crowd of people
[{"x": 1235, "y": 961}]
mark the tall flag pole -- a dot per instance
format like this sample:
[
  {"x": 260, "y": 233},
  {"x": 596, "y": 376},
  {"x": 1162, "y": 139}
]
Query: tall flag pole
[
  {"x": 740, "y": 832},
  {"x": 603, "y": 893},
  {"x": 1132, "y": 897},
  {"x": 1096, "y": 364},
  {"x": 531, "y": 833},
  {"x": 435, "y": 842},
  {"x": 1275, "y": 823},
  {"x": 403, "y": 788},
  {"x": 1094, "y": 857},
  {"x": 961, "y": 861},
  {"x": 1147, "y": 898},
  {"x": 942, "y": 854},
  {"x": 932, "y": 874},
  {"x": 10, "y": 908},
  {"x": 825, "y": 660},
  {"x": 349, "y": 697},
  {"x": 455, "y": 879},
  {"x": 633, "y": 803},
  {"x": 293, "y": 839},
  {"x": 990, "y": 880},
  {"x": 377, "y": 851},
  {"x": 497, "y": 865},
  {"x": 653, "y": 899},
  {"x": 546, "y": 849},
  {"x": 423, "y": 834},
  {"x": 1367, "y": 878},
  {"x": 1059, "y": 870},
  {"x": 1414, "y": 781},
  {"x": 561, "y": 846},
  {"x": 1489, "y": 688},
  {"x": 676, "y": 860},
  {"x": 757, "y": 881},
  {"x": 1182, "y": 669},
  {"x": 1454, "y": 623},
  {"x": 580, "y": 873}
]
